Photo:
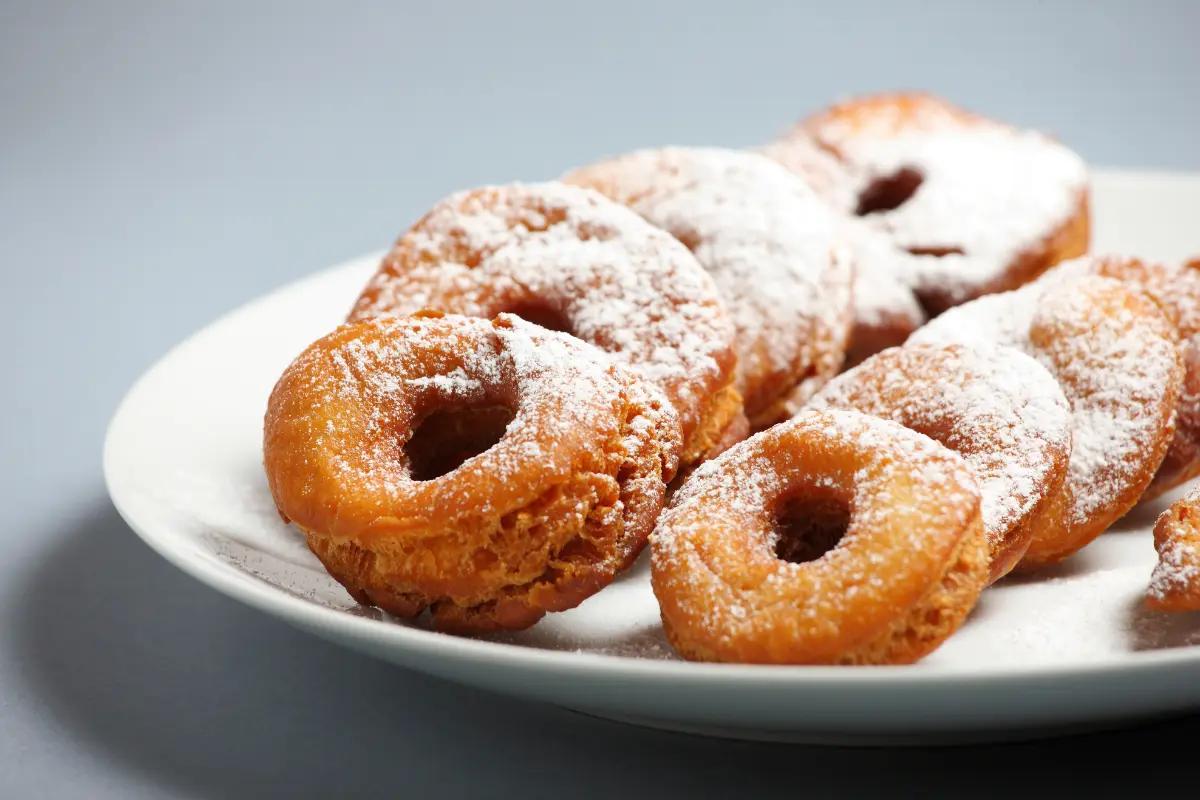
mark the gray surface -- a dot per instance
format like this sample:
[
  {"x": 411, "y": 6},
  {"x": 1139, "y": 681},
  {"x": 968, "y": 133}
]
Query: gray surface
[{"x": 160, "y": 166}]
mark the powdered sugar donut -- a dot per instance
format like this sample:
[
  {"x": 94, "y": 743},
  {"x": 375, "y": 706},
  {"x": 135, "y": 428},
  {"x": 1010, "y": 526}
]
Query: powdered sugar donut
[
  {"x": 492, "y": 471},
  {"x": 772, "y": 247},
  {"x": 570, "y": 259},
  {"x": 886, "y": 310},
  {"x": 1175, "y": 582},
  {"x": 990, "y": 207},
  {"x": 1119, "y": 362},
  {"x": 995, "y": 406},
  {"x": 1176, "y": 289},
  {"x": 832, "y": 538}
]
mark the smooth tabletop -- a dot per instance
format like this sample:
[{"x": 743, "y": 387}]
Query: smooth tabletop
[{"x": 160, "y": 165}]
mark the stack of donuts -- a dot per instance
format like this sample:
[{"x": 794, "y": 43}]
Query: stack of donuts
[{"x": 839, "y": 384}]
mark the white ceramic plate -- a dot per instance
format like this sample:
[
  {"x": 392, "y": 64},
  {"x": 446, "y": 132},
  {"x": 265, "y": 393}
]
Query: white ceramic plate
[{"x": 1072, "y": 648}]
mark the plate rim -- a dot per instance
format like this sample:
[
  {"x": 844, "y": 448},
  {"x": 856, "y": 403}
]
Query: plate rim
[{"x": 421, "y": 644}]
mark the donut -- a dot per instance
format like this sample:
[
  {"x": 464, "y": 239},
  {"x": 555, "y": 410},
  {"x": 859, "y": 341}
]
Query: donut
[
  {"x": 885, "y": 307},
  {"x": 1175, "y": 582},
  {"x": 571, "y": 260},
  {"x": 987, "y": 206},
  {"x": 1118, "y": 360},
  {"x": 998, "y": 408},
  {"x": 831, "y": 538},
  {"x": 1176, "y": 289},
  {"x": 771, "y": 246},
  {"x": 490, "y": 471}
]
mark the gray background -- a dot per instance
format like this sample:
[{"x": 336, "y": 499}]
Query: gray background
[{"x": 161, "y": 164}]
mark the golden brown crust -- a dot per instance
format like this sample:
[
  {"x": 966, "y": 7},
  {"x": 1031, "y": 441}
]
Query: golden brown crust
[
  {"x": 995, "y": 406},
  {"x": 1182, "y": 462},
  {"x": 736, "y": 431},
  {"x": 911, "y": 636},
  {"x": 937, "y": 615},
  {"x": 887, "y": 114},
  {"x": 569, "y": 258},
  {"x": 721, "y": 421},
  {"x": 537, "y": 522},
  {"x": 1175, "y": 582},
  {"x": 904, "y": 575},
  {"x": 1048, "y": 530}
]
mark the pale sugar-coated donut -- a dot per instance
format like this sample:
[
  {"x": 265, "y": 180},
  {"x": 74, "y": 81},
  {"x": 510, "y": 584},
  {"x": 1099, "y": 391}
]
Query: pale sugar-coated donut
[
  {"x": 569, "y": 258},
  {"x": 1176, "y": 289},
  {"x": 986, "y": 206},
  {"x": 771, "y": 245},
  {"x": 1119, "y": 361}
]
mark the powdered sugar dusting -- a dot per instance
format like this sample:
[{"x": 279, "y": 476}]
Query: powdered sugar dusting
[
  {"x": 908, "y": 473},
  {"x": 801, "y": 155},
  {"x": 1118, "y": 368},
  {"x": 1176, "y": 289},
  {"x": 990, "y": 191},
  {"x": 382, "y": 373},
  {"x": 1177, "y": 573},
  {"x": 770, "y": 243},
  {"x": 621, "y": 284},
  {"x": 884, "y": 273},
  {"x": 884, "y": 279},
  {"x": 1075, "y": 619},
  {"x": 457, "y": 384},
  {"x": 1002, "y": 410}
]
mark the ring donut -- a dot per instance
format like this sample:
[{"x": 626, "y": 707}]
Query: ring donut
[
  {"x": 570, "y": 259},
  {"x": 772, "y": 247},
  {"x": 996, "y": 407},
  {"x": 1176, "y": 289},
  {"x": 988, "y": 207},
  {"x": 1118, "y": 360},
  {"x": 376, "y": 445},
  {"x": 741, "y": 565},
  {"x": 1175, "y": 582}
]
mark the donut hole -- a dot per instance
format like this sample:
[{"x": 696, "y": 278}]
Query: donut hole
[
  {"x": 448, "y": 436},
  {"x": 808, "y": 527},
  {"x": 937, "y": 252},
  {"x": 889, "y": 192},
  {"x": 543, "y": 315}
]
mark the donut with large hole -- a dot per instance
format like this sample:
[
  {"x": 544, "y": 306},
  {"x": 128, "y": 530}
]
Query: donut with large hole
[
  {"x": 832, "y": 538},
  {"x": 490, "y": 471}
]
